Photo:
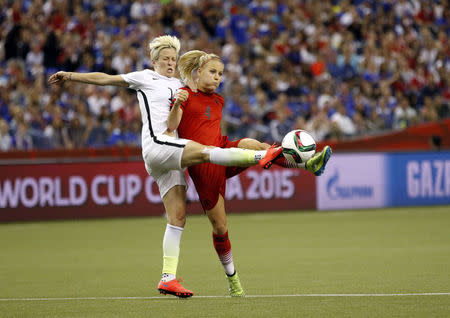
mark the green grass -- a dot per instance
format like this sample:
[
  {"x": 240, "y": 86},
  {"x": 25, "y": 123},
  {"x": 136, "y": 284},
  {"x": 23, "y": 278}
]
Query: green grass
[{"x": 359, "y": 252}]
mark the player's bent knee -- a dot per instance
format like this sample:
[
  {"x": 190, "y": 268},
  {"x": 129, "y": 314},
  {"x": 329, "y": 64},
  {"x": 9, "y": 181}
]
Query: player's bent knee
[
  {"x": 176, "y": 215},
  {"x": 195, "y": 153},
  {"x": 177, "y": 219},
  {"x": 205, "y": 154},
  {"x": 219, "y": 228}
]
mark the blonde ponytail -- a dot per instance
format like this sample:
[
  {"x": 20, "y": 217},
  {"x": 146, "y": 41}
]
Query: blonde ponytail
[{"x": 192, "y": 60}]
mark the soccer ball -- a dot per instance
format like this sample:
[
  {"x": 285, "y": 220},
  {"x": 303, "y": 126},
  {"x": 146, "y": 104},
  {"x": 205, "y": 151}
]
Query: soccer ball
[{"x": 298, "y": 146}]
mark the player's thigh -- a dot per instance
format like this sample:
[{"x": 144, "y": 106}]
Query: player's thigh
[
  {"x": 167, "y": 179},
  {"x": 164, "y": 153},
  {"x": 194, "y": 153},
  {"x": 210, "y": 181},
  {"x": 249, "y": 143},
  {"x": 218, "y": 217}
]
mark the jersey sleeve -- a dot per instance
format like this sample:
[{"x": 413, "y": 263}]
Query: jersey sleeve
[{"x": 135, "y": 80}]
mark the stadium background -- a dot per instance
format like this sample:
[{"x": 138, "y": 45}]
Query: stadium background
[
  {"x": 369, "y": 78},
  {"x": 362, "y": 76}
]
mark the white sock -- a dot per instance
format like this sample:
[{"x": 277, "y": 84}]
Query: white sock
[
  {"x": 227, "y": 263},
  {"x": 171, "y": 251},
  {"x": 167, "y": 277},
  {"x": 234, "y": 156},
  {"x": 259, "y": 155}
]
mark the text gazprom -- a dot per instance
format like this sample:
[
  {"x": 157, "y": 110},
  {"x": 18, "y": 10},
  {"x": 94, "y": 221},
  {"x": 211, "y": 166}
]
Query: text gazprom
[{"x": 428, "y": 178}]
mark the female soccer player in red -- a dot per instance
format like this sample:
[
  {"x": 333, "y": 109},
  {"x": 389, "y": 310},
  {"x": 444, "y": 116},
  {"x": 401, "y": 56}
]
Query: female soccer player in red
[{"x": 197, "y": 117}]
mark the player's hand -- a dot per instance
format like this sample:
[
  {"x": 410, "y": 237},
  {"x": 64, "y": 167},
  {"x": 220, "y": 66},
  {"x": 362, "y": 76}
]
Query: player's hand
[
  {"x": 59, "y": 77},
  {"x": 181, "y": 96}
]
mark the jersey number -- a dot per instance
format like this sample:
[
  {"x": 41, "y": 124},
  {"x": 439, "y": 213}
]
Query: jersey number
[{"x": 208, "y": 112}]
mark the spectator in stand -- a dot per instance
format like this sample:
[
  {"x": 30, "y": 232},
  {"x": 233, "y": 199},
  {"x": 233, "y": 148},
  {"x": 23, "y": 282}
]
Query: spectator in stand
[
  {"x": 5, "y": 138},
  {"x": 319, "y": 125},
  {"x": 95, "y": 134},
  {"x": 384, "y": 114},
  {"x": 234, "y": 109},
  {"x": 57, "y": 134},
  {"x": 282, "y": 124},
  {"x": 22, "y": 138},
  {"x": 342, "y": 124},
  {"x": 443, "y": 107},
  {"x": 119, "y": 101},
  {"x": 35, "y": 59},
  {"x": 430, "y": 89},
  {"x": 76, "y": 133},
  {"x": 132, "y": 136},
  {"x": 97, "y": 100},
  {"x": 404, "y": 114},
  {"x": 429, "y": 113},
  {"x": 361, "y": 125}
]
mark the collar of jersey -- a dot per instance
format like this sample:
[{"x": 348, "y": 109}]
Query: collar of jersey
[{"x": 203, "y": 93}]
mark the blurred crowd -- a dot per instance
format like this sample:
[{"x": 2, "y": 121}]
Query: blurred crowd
[{"x": 339, "y": 69}]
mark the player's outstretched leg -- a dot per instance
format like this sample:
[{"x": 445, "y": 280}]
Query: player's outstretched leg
[
  {"x": 174, "y": 287},
  {"x": 234, "y": 286},
  {"x": 272, "y": 154},
  {"x": 317, "y": 163}
]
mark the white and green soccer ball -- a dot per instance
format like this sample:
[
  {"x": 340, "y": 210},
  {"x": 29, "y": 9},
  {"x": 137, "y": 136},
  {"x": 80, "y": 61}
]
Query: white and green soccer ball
[{"x": 298, "y": 146}]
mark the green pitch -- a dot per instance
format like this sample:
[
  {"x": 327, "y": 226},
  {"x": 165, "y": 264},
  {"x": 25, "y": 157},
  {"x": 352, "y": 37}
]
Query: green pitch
[{"x": 308, "y": 261}]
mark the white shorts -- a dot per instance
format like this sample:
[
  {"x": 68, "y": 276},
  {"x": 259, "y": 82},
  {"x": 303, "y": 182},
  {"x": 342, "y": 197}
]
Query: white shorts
[{"x": 162, "y": 157}]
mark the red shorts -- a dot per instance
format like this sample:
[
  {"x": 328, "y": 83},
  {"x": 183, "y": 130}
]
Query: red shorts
[{"x": 210, "y": 179}]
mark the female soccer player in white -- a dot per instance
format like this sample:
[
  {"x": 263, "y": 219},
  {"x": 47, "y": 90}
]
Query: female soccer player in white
[{"x": 164, "y": 154}]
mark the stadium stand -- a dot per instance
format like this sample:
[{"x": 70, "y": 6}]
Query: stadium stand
[{"x": 340, "y": 69}]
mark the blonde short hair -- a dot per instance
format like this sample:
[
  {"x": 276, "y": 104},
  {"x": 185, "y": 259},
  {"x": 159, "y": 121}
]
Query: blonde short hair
[
  {"x": 192, "y": 60},
  {"x": 163, "y": 42}
]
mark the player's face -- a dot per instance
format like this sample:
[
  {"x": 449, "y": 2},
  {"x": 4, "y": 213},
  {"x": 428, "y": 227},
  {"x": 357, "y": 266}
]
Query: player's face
[
  {"x": 210, "y": 76},
  {"x": 166, "y": 63}
]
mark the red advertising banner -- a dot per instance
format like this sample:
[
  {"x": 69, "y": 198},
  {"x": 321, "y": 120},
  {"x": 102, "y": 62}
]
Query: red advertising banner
[{"x": 112, "y": 189}]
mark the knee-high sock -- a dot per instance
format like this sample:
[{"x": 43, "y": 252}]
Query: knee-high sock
[
  {"x": 223, "y": 248},
  {"x": 234, "y": 156},
  {"x": 171, "y": 249}
]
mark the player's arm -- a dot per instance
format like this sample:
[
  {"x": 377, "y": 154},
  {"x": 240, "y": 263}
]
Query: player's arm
[
  {"x": 176, "y": 112},
  {"x": 96, "y": 78}
]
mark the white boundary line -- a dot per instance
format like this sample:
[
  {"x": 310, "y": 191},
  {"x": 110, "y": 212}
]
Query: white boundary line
[{"x": 219, "y": 296}]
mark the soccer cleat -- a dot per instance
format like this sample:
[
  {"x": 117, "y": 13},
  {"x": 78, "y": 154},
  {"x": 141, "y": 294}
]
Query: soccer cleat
[
  {"x": 272, "y": 154},
  {"x": 317, "y": 163},
  {"x": 173, "y": 287},
  {"x": 234, "y": 286}
]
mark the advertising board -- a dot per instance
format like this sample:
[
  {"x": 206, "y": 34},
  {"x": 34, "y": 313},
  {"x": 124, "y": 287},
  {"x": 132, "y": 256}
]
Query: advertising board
[
  {"x": 352, "y": 181},
  {"x": 105, "y": 189},
  {"x": 419, "y": 179}
]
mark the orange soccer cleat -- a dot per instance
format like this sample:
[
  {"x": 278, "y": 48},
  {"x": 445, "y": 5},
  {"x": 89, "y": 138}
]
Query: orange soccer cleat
[
  {"x": 272, "y": 154},
  {"x": 174, "y": 287}
]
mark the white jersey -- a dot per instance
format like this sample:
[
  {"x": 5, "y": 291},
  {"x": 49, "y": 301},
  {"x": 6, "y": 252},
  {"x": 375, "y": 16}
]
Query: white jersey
[
  {"x": 155, "y": 93},
  {"x": 162, "y": 153}
]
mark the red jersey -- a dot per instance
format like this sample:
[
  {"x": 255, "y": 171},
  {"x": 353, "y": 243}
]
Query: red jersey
[
  {"x": 202, "y": 114},
  {"x": 200, "y": 122}
]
